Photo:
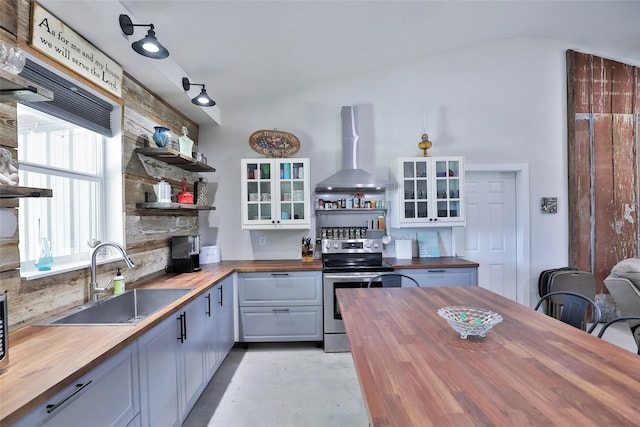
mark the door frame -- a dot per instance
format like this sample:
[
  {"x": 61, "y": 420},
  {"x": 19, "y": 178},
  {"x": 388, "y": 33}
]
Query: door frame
[{"x": 523, "y": 243}]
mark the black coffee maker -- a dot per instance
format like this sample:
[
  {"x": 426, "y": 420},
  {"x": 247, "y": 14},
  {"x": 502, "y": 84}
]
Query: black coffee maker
[{"x": 185, "y": 254}]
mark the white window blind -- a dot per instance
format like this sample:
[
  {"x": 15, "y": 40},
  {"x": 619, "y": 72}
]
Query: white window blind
[{"x": 70, "y": 102}]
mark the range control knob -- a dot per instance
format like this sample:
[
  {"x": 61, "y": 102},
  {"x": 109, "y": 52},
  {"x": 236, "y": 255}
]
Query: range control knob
[
  {"x": 328, "y": 245},
  {"x": 367, "y": 244},
  {"x": 336, "y": 246},
  {"x": 376, "y": 245}
]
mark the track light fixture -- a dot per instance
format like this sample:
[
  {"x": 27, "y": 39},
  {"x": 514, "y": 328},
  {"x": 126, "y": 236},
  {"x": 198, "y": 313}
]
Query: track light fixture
[
  {"x": 202, "y": 99},
  {"x": 148, "y": 46}
]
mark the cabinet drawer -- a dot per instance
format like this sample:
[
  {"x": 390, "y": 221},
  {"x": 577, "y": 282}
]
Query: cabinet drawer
[
  {"x": 107, "y": 395},
  {"x": 280, "y": 289},
  {"x": 266, "y": 324},
  {"x": 431, "y": 277}
]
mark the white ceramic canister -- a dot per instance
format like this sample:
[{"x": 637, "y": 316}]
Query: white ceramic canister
[
  {"x": 186, "y": 144},
  {"x": 163, "y": 191}
]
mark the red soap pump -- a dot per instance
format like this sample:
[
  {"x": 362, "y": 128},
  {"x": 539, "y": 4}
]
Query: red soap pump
[{"x": 184, "y": 196}]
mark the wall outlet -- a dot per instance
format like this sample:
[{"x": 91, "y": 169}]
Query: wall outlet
[{"x": 262, "y": 240}]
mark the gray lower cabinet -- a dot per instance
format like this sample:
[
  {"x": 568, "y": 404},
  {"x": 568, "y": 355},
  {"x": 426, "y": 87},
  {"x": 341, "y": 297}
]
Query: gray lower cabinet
[
  {"x": 159, "y": 361},
  {"x": 219, "y": 318},
  {"x": 430, "y": 277},
  {"x": 172, "y": 366},
  {"x": 192, "y": 352},
  {"x": 280, "y": 306},
  {"x": 180, "y": 355},
  {"x": 156, "y": 381},
  {"x": 106, "y": 396}
]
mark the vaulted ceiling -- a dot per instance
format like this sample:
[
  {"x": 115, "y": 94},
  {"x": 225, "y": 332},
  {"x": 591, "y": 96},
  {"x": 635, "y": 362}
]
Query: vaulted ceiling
[{"x": 255, "y": 50}]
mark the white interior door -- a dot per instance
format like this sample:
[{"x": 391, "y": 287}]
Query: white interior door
[{"x": 490, "y": 237}]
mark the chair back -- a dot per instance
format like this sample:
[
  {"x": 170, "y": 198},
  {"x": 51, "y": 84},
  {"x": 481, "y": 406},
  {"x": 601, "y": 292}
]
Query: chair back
[
  {"x": 393, "y": 280},
  {"x": 634, "y": 319},
  {"x": 573, "y": 308},
  {"x": 579, "y": 282}
]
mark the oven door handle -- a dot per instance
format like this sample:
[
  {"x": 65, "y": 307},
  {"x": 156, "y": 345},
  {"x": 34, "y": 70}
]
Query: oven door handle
[{"x": 351, "y": 276}]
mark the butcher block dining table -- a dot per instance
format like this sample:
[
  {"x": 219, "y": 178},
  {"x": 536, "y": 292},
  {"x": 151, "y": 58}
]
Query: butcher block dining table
[{"x": 529, "y": 370}]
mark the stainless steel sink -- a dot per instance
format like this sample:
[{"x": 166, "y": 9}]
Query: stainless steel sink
[{"x": 129, "y": 308}]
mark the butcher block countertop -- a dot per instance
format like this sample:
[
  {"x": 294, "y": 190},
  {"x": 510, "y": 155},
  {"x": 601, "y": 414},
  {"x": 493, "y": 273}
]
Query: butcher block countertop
[
  {"x": 529, "y": 370},
  {"x": 46, "y": 359},
  {"x": 440, "y": 262}
]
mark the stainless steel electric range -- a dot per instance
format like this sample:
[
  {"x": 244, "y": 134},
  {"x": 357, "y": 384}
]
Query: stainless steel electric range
[{"x": 346, "y": 264}]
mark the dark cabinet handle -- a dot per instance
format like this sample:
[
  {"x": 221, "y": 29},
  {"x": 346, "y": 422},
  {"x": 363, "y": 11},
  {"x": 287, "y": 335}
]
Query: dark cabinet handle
[
  {"x": 184, "y": 319},
  {"x": 280, "y": 310},
  {"x": 79, "y": 388},
  {"x": 183, "y": 332},
  {"x": 220, "y": 295},
  {"x": 279, "y": 274},
  {"x": 208, "y": 298},
  {"x": 436, "y": 271}
]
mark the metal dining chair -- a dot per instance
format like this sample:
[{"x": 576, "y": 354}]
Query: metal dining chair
[
  {"x": 393, "y": 280},
  {"x": 633, "y": 326},
  {"x": 573, "y": 309},
  {"x": 580, "y": 282}
]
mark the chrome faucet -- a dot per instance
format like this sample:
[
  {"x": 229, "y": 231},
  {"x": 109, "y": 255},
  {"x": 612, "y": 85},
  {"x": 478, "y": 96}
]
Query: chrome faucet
[{"x": 95, "y": 291}]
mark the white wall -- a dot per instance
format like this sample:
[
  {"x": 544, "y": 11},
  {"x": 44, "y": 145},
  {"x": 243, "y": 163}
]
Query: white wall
[{"x": 498, "y": 103}]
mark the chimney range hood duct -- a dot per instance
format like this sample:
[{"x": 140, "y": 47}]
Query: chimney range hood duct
[{"x": 351, "y": 177}]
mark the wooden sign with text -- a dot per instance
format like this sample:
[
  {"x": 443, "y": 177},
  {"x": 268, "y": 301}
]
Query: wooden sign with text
[{"x": 53, "y": 38}]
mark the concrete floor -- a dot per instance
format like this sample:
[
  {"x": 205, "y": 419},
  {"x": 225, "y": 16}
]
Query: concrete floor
[
  {"x": 284, "y": 385},
  {"x": 620, "y": 335},
  {"x": 298, "y": 385}
]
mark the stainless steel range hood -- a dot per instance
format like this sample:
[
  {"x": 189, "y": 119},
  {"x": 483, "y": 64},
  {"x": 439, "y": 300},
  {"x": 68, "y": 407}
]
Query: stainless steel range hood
[{"x": 351, "y": 177}]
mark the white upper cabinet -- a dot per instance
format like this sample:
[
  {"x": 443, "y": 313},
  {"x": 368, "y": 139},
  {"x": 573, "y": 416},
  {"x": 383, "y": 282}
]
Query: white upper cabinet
[
  {"x": 275, "y": 194},
  {"x": 430, "y": 192}
]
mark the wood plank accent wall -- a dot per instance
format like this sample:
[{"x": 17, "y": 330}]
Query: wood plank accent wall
[
  {"x": 147, "y": 233},
  {"x": 8, "y": 12},
  {"x": 142, "y": 111},
  {"x": 9, "y": 255},
  {"x": 603, "y": 162}
]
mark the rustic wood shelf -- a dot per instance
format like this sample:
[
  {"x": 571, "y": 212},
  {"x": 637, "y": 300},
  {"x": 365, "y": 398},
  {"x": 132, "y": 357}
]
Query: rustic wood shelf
[
  {"x": 9, "y": 191},
  {"x": 173, "y": 206},
  {"x": 14, "y": 88},
  {"x": 175, "y": 158}
]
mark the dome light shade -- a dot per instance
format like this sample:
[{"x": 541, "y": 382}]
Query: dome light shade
[
  {"x": 149, "y": 46},
  {"x": 202, "y": 99}
]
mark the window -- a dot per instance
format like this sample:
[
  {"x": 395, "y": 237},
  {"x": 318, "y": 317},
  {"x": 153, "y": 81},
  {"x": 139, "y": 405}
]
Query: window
[
  {"x": 73, "y": 146},
  {"x": 70, "y": 160}
]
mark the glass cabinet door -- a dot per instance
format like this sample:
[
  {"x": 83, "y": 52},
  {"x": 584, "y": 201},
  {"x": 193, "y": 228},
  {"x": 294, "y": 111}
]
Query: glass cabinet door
[
  {"x": 293, "y": 191},
  {"x": 258, "y": 191},
  {"x": 448, "y": 188},
  {"x": 275, "y": 194},
  {"x": 415, "y": 186},
  {"x": 430, "y": 191}
]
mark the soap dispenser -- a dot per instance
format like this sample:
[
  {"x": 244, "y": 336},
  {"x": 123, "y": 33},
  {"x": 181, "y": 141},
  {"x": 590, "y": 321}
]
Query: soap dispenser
[{"x": 118, "y": 283}]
